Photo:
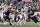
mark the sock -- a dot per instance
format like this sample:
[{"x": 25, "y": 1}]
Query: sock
[
  {"x": 2, "y": 20},
  {"x": 11, "y": 21}
]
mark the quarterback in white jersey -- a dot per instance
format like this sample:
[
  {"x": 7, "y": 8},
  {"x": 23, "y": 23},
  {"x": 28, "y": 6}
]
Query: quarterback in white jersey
[{"x": 25, "y": 12}]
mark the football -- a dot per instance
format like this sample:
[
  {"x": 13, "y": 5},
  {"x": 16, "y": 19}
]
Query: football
[{"x": 0, "y": 8}]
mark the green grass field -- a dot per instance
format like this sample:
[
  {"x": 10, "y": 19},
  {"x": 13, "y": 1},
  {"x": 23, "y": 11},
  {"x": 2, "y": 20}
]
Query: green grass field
[{"x": 27, "y": 24}]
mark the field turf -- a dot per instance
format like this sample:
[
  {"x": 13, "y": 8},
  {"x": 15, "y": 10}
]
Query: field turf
[{"x": 27, "y": 24}]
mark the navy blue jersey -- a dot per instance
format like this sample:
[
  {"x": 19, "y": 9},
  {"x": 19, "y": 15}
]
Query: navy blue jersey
[
  {"x": 7, "y": 13},
  {"x": 31, "y": 12}
]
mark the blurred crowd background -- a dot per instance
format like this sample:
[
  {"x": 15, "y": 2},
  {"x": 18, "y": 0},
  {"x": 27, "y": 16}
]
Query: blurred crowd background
[
  {"x": 16, "y": 4},
  {"x": 20, "y": 3}
]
